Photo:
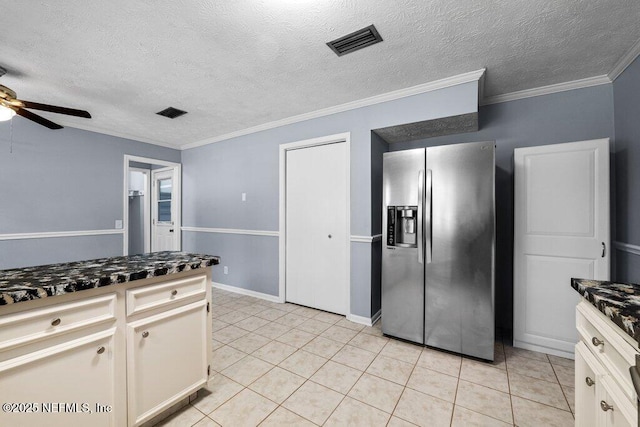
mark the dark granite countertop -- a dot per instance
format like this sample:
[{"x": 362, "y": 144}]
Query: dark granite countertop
[
  {"x": 620, "y": 302},
  {"x": 29, "y": 283}
]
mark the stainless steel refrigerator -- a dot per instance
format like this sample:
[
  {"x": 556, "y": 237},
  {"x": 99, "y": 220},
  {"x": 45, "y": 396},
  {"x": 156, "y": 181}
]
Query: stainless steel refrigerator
[{"x": 439, "y": 247}]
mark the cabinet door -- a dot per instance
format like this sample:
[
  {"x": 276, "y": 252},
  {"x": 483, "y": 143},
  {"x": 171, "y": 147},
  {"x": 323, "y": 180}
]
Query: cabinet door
[
  {"x": 166, "y": 359},
  {"x": 62, "y": 385},
  {"x": 586, "y": 376},
  {"x": 617, "y": 410}
]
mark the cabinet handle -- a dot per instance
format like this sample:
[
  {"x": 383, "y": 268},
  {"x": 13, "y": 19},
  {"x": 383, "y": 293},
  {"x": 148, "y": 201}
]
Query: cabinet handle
[
  {"x": 101, "y": 350},
  {"x": 174, "y": 292},
  {"x": 605, "y": 406},
  {"x": 55, "y": 322},
  {"x": 596, "y": 342},
  {"x": 589, "y": 381},
  {"x": 145, "y": 334}
]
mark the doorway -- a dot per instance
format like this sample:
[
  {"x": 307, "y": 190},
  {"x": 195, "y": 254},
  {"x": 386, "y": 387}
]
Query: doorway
[
  {"x": 315, "y": 223},
  {"x": 139, "y": 230},
  {"x": 152, "y": 205}
]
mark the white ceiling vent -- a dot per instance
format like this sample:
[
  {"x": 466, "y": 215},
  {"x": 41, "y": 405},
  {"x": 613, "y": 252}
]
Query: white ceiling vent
[{"x": 355, "y": 41}]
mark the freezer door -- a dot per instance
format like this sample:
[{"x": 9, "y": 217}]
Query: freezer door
[
  {"x": 402, "y": 267},
  {"x": 460, "y": 246}
]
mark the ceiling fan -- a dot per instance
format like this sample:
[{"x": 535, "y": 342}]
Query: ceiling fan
[{"x": 10, "y": 106}]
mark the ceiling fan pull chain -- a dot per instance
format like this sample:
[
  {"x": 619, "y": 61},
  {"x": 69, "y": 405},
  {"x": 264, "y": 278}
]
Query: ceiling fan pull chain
[{"x": 11, "y": 137}]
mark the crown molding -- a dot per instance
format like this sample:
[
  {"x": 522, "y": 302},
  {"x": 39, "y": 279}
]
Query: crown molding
[
  {"x": 547, "y": 90},
  {"x": 377, "y": 99},
  {"x": 117, "y": 134},
  {"x": 625, "y": 61}
]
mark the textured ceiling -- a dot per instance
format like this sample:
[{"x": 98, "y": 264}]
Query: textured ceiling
[{"x": 238, "y": 64}]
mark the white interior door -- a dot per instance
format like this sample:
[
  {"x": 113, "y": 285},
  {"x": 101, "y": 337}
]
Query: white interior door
[
  {"x": 165, "y": 204},
  {"x": 561, "y": 230},
  {"x": 317, "y": 240}
]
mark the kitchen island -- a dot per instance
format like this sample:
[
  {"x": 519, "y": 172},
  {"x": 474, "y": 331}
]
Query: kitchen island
[
  {"x": 607, "y": 319},
  {"x": 107, "y": 342}
]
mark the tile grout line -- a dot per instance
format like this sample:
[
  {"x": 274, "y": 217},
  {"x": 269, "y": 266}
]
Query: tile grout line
[
  {"x": 506, "y": 367},
  {"x": 564, "y": 394},
  {"x": 455, "y": 396},
  {"x": 535, "y": 401}
]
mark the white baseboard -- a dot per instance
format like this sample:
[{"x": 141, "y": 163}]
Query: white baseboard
[
  {"x": 247, "y": 292},
  {"x": 364, "y": 320},
  {"x": 352, "y": 317},
  {"x": 543, "y": 349}
]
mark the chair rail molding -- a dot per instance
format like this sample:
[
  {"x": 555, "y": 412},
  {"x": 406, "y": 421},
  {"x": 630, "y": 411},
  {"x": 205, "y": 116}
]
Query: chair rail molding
[
  {"x": 627, "y": 247},
  {"x": 54, "y": 234}
]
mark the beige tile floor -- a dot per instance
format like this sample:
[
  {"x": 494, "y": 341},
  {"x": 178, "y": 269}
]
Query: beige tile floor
[{"x": 287, "y": 365}]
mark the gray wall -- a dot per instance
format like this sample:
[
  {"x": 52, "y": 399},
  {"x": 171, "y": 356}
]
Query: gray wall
[
  {"x": 215, "y": 175},
  {"x": 561, "y": 117},
  {"x": 626, "y": 93},
  {"x": 62, "y": 180}
]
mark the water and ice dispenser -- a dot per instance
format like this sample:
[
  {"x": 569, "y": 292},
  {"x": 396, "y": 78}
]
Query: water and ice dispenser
[{"x": 402, "y": 226}]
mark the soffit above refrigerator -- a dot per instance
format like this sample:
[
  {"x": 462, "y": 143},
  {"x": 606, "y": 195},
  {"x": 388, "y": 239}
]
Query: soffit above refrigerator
[{"x": 462, "y": 123}]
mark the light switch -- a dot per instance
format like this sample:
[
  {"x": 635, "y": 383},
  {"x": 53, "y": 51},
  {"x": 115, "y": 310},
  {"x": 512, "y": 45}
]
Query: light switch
[
  {"x": 244, "y": 197},
  {"x": 118, "y": 224},
  {"x": 226, "y": 270}
]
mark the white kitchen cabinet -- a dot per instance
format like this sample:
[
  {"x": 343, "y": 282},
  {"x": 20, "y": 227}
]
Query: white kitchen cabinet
[
  {"x": 603, "y": 390},
  {"x": 47, "y": 382},
  {"x": 48, "y": 354},
  {"x": 167, "y": 359},
  {"x": 85, "y": 351},
  {"x": 585, "y": 382}
]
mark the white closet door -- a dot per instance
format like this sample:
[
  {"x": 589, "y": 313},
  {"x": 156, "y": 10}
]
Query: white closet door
[
  {"x": 316, "y": 227},
  {"x": 561, "y": 230}
]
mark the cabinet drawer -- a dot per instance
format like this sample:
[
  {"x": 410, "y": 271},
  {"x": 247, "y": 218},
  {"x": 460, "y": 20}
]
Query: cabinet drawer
[
  {"x": 615, "y": 353},
  {"x": 164, "y": 294},
  {"x": 37, "y": 324}
]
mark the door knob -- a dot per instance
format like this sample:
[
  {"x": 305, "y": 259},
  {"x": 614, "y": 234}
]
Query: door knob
[
  {"x": 596, "y": 342},
  {"x": 329, "y": 235},
  {"x": 171, "y": 230},
  {"x": 589, "y": 381}
]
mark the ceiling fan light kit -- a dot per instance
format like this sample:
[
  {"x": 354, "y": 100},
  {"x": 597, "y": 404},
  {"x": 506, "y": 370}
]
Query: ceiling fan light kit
[{"x": 6, "y": 113}]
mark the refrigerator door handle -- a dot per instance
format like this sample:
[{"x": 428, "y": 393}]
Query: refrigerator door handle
[
  {"x": 419, "y": 219},
  {"x": 428, "y": 223}
]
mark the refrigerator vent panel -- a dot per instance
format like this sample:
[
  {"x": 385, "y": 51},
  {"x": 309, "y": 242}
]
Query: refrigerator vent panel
[
  {"x": 171, "y": 112},
  {"x": 355, "y": 41}
]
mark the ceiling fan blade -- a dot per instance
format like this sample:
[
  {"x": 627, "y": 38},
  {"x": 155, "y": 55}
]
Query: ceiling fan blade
[
  {"x": 36, "y": 118},
  {"x": 55, "y": 109}
]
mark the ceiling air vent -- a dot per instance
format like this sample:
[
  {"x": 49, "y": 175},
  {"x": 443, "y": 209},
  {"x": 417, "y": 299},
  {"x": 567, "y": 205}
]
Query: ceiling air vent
[
  {"x": 171, "y": 112},
  {"x": 356, "y": 40}
]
